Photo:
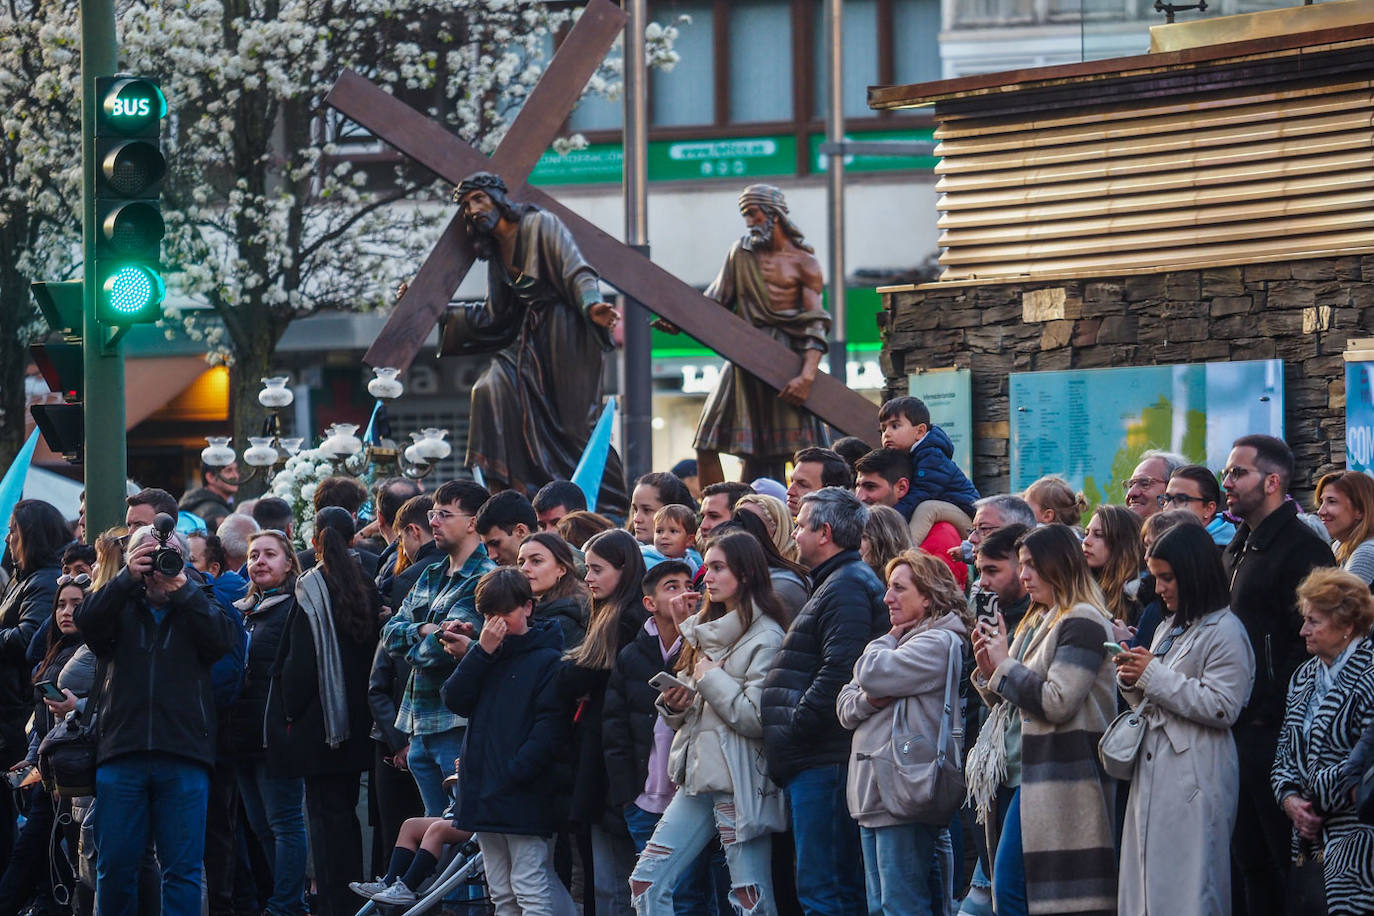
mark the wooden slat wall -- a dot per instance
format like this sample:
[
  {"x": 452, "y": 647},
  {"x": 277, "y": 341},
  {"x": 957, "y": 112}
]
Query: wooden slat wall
[{"x": 1226, "y": 176}]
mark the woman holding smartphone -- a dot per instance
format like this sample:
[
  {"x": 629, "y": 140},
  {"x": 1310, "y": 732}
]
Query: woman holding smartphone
[
  {"x": 1189, "y": 686},
  {"x": 29, "y": 868},
  {"x": 1060, "y": 685},
  {"x": 717, "y": 753}
]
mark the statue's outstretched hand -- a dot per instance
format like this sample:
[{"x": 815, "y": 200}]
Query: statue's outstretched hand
[{"x": 603, "y": 314}]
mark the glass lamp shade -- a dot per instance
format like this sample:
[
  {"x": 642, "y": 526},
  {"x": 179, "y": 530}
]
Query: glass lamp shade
[
  {"x": 386, "y": 385},
  {"x": 430, "y": 446},
  {"x": 342, "y": 441},
  {"x": 260, "y": 452},
  {"x": 217, "y": 454},
  {"x": 412, "y": 454},
  {"x": 274, "y": 394},
  {"x": 292, "y": 444}
]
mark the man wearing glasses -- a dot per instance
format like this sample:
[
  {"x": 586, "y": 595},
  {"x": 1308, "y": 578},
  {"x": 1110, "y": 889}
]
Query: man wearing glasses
[
  {"x": 1195, "y": 488},
  {"x": 1149, "y": 480},
  {"x": 1272, "y": 552},
  {"x": 440, "y": 607}
]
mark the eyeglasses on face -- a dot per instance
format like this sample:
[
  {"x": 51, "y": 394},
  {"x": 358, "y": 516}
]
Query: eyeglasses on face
[
  {"x": 1178, "y": 499},
  {"x": 1237, "y": 473},
  {"x": 443, "y": 515},
  {"x": 80, "y": 580},
  {"x": 1141, "y": 482}
]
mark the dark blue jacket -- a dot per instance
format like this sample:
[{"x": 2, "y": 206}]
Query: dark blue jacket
[
  {"x": 844, "y": 613},
  {"x": 517, "y": 725},
  {"x": 934, "y": 475}
]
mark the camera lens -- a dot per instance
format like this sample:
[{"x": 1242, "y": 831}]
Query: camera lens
[{"x": 167, "y": 561}]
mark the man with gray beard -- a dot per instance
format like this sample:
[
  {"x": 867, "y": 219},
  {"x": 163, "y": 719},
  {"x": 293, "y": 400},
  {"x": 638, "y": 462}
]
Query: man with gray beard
[
  {"x": 547, "y": 327},
  {"x": 771, "y": 278}
]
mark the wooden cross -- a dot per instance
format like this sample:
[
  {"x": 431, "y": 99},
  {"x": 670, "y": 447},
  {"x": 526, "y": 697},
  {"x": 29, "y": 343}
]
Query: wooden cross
[{"x": 534, "y": 130}]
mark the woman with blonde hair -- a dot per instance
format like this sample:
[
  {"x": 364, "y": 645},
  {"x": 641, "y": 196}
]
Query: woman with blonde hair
[
  {"x": 109, "y": 555},
  {"x": 1330, "y": 698},
  {"x": 1053, "y": 693},
  {"x": 775, "y": 516},
  {"x": 910, "y": 665},
  {"x": 1054, "y": 502},
  {"x": 1345, "y": 504}
]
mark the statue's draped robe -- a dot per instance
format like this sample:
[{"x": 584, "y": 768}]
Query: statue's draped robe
[
  {"x": 534, "y": 407},
  {"x": 744, "y": 416}
]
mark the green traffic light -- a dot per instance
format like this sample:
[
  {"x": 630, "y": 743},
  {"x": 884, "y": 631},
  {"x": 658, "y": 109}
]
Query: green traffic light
[
  {"x": 131, "y": 294},
  {"x": 132, "y": 104}
]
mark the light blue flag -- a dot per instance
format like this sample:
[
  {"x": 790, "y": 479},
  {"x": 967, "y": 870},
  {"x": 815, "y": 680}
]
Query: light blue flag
[
  {"x": 12, "y": 486},
  {"x": 592, "y": 465}
]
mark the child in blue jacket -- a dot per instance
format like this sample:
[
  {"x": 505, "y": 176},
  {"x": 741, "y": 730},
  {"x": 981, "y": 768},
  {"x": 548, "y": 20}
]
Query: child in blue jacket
[{"x": 939, "y": 490}]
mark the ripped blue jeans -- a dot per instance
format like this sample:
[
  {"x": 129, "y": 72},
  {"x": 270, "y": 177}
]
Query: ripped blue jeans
[{"x": 682, "y": 833}]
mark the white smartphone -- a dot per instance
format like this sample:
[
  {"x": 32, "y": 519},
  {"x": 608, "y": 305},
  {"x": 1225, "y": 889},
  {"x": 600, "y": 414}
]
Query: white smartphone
[{"x": 665, "y": 681}]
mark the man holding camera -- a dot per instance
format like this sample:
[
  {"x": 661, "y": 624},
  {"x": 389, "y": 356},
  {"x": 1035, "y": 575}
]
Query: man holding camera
[{"x": 156, "y": 635}]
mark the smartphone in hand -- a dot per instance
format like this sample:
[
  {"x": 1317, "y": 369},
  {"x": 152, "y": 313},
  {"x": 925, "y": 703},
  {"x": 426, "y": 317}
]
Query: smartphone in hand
[{"x": 665, "y": 681}]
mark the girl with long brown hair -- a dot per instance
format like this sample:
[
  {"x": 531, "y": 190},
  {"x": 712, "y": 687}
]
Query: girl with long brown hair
[
  {"x": 1114, "y": 552},
  {"x": 1345, "y": 504},
  {"x": 717, "y": 753}
]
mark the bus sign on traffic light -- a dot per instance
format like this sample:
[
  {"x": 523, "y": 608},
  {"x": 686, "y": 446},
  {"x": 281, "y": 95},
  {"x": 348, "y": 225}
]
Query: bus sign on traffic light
[{"x": 129, "y": 174}]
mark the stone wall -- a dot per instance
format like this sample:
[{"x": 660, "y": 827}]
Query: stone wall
[{"x": 1300, "y": 311}]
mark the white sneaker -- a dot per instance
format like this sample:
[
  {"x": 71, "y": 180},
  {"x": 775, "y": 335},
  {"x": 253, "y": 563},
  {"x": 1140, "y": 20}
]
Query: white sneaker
[
  {"x": 396, "y": 895},
  {"x": 368, "y": 889}
]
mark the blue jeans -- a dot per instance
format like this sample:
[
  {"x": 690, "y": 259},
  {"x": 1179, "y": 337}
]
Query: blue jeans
[
  {"x": 1009, "y": 867},
  {"x": 830, "y": 876},
  {"x": 897, "y": 884},
  {"x": 431, "y": 762},
  {"x": 275, "y": 806},
  {"x": 685, "y": 829},
  {"x": 143, "y": 794},
  {"x": 704, "y": 889}
]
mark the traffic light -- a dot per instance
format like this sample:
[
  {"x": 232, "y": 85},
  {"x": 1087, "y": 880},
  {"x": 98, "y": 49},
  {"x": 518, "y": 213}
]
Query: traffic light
[
  {"x": 60, "y": 362},
  {"x": 129, "y": 225}
]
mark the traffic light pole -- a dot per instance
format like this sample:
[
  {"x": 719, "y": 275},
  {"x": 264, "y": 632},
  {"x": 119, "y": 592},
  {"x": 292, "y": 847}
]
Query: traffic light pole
[{"x": 106, "y": 467}]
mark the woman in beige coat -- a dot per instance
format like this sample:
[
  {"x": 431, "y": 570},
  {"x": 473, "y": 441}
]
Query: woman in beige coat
[
  {"x": 1189, "y": 686},
  {"x": 716, "y": 759},
  {"x": 910, "y": 666}
]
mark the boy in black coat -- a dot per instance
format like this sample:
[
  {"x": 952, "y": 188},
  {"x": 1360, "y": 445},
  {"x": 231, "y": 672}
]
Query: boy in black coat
[{"x": 506, "y": 686}]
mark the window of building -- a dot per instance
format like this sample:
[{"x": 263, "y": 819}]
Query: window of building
[
  {"x": 859, "y": 32},
  {"x": 761, "y": 66},
  {"x": 686, "y": 94}
]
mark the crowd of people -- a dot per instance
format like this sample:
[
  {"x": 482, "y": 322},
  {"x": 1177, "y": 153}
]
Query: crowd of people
[{"x": 868, "y": 688}]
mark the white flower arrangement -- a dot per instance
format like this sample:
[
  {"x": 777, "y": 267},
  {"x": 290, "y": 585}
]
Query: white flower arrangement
[{"x": 296, "y": 483}]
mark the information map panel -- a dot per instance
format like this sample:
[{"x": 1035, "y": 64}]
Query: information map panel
[{"x": 1091, "y": 425}]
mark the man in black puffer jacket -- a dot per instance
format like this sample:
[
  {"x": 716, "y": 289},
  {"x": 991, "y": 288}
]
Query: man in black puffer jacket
[
  {"x": 157, "y": 638},
  {"x": 806, "y": 747}
]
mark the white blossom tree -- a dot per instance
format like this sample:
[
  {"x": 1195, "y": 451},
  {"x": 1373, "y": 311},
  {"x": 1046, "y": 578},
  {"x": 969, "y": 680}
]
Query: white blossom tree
[
  {"x": 267, "y": 220},
  {"x": 40, "y": 182}
]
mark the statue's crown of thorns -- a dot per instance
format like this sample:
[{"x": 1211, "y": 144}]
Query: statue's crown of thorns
[{"x": 478, "y": 181}]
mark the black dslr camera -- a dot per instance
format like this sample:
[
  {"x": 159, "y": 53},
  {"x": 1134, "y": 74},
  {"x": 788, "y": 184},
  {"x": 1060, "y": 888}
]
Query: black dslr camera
[{"x": 166, "y": 560}]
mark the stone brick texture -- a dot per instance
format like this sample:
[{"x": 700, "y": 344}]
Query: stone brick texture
[{"x": 1254, "y": 311}]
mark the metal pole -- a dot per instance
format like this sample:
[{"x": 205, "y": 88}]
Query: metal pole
[
  {"x": 834, "y": 131},
  {"x": 104, "y": 452},
  {"x": 637, "y": 382}
]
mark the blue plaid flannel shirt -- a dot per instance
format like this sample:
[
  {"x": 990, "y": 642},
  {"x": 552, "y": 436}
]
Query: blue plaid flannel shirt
[{"x": 435, "y": 597}]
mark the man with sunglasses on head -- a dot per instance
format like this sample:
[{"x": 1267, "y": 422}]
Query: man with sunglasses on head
[
  {"x": 439, "y": 608},
  {"x": 1272, "y": 552}
]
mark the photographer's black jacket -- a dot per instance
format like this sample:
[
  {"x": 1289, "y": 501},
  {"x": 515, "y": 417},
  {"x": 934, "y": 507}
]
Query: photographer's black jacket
[{"x": 158, "y": 696}]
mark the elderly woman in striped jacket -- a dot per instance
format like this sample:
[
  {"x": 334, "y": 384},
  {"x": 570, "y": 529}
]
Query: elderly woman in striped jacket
[
  {"x": 1330, "y": 700},
  {"x": 1056, "y": 687}
]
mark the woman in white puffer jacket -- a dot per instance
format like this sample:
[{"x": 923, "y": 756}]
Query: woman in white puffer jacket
[{"x": 717, "y": 754}]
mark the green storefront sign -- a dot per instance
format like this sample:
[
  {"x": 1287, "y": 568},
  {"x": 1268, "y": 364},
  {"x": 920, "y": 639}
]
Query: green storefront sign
[{"x": 741, "y": 157}]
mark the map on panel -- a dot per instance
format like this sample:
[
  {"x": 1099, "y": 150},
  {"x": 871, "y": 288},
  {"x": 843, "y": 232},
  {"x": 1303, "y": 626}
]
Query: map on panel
[{"x": 1091, "y": 425}]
